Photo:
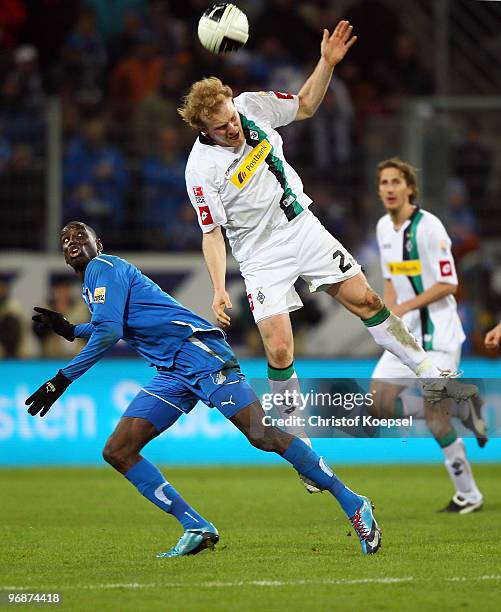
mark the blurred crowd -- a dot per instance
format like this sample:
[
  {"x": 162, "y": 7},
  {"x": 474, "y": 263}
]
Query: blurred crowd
[{"x": 119, "y": 69}]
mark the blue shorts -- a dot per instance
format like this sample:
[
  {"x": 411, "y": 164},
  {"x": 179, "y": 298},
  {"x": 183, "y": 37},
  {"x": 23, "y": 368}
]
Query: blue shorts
[{"x": 205, "y": 368}]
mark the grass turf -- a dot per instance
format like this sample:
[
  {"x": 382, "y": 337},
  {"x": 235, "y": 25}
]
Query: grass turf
[{"x": 87, "y": 534}]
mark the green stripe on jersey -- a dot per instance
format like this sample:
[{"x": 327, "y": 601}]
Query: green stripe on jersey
[
  {"x": 288, "y": 202},
  {"x": 410, "y": 251}
]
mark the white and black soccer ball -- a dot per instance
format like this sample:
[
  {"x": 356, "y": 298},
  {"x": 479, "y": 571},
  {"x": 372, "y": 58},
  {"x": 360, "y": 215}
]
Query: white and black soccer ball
[{"x": 223, "y": 28}]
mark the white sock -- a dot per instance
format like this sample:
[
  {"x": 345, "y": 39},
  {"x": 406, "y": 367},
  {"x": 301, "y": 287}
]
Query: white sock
[
  {"x": 392, "y": 334},
  {"x": 290, "y": 384},
  {"x": 460, "y": 471}
]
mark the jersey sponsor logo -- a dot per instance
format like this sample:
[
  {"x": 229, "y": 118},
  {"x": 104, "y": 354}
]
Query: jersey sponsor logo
[
  {"x": 283, "y": 95},
  {"x": 407, "y": 268},
  {"x": 251, "y": 303},
  {"x": 445, "y": 267},
  {"x": 250, "y": 164},
  {"x": 99, "y": 295},
  {"x": 198, "y": 191},
  {"x": 205, "y": 216}
]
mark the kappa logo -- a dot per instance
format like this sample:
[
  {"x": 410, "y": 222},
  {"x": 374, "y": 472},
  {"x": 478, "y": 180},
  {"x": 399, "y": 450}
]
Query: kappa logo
[
  {"x": 445, "y": 268},
  {"x": 99, "y": 295},
  {"x": 230, "y": 402},
  {"x": 251, "y": 163},
  {"x": 458, "y": 466}
]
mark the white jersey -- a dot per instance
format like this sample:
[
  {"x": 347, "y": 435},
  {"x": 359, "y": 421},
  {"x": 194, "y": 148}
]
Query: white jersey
[
  {"x": 414, "y": 258},
  {"x": 250, "y": 191}
]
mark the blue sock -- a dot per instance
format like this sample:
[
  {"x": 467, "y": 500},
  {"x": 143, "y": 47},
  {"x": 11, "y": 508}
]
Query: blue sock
[
  {"x": 307, "y": 462},
  {"x": 149, "y": 482}
]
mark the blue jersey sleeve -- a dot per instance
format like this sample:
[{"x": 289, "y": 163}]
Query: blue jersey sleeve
[
  {"x": 109, "y": 287},
  {"x": 84, "y": 330},
  {"x": 104, "y": 336}
]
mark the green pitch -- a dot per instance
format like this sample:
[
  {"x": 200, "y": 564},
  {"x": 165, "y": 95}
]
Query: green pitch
[{"x": 87, "y": 534}]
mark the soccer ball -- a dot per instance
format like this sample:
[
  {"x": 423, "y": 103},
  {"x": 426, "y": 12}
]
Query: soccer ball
[{"x": 223, "y": 28}]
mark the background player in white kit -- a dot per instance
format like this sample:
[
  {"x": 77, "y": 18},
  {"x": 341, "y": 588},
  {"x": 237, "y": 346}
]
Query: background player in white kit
[
  {"x": 419, "y": 285},
  {"x": 237, "y": 178}
]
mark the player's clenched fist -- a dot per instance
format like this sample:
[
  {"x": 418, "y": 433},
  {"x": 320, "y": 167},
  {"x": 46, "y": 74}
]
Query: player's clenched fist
[{"x": 47, "y": 394}]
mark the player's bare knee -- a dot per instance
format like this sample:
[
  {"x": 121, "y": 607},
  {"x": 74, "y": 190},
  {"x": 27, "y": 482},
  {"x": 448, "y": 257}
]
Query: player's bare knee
[
  {"x": 115, "y": 455},
  {"x": 280, "y": 354},
  {"x": 373, "y": 302}
]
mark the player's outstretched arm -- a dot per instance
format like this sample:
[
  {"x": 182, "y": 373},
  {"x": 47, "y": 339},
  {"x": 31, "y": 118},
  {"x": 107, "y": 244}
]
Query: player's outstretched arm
[
  {"x": 493, "y": 337},
  {"x": 332, "y": 50},
  {"x": 105, "y": 335},
  {"x": 214, "y": 250}
]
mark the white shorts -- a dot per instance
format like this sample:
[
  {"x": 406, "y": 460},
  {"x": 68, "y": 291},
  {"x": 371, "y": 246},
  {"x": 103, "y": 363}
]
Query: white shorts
[
  {"x": 302, "y": 249},
  {"x": 390, "y": 367}
]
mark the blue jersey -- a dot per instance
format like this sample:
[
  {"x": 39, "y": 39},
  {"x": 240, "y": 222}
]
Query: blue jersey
[{"x": 126, "y": 304}]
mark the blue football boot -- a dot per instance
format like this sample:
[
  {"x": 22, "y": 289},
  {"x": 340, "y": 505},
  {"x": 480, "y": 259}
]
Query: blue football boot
[
  {"x": 193, "y": 541},
  {"x": 366, "y": 527}
]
